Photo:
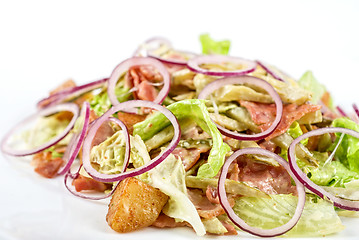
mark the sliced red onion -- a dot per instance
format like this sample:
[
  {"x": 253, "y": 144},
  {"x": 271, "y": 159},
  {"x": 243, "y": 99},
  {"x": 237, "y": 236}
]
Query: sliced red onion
[
  {"x": 268, "y": 70},
  {"x": 76, "y": 141},
  {"x": 136, "y": 61},
  {"x": 174, "y": 61},
  {"x": 356, "y": 109},
  {"x": 69, "y": 93},
  {"x": 89, "y": 196},
  {"x": 194, "y": 65},
  {"x": 71, "y": 107},
  {"x": 341, "y": 111},
  {"x": 207, "y": 90},
  {"x": 338, "y": 202},
  {"x": 356, "y": 115},
  {"x": 157, "y": 160},
  {"x": 237, "y": 220}
]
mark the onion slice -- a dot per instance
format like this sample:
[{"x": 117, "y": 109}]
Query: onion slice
[
  {"x": 73, "y": 148},
  {"x": 207, "y": 90},
  {"x": 157, "y": 160},
  {"x": 173, "y": 60},
  {"x": 69, "y": 93},
  {"x": 338, "y": 202},
  {"x": 136, "y": 61},
  {"x": 194, "y": 65},
  {"x": 341, "y": 111},
  {"x": 268, "y": 70},
  {"x": 71, "y": 107},
  {"x": 237, "y": 220}
]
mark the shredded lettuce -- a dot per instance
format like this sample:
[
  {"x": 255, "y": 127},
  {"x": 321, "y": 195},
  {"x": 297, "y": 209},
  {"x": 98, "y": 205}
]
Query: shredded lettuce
[
  {"x": 295, "y": 131},
  {"x": 310, "y": 83},
  {"x": 169, "y": 177},
  {"x": 348, "y": 150},
  {"x": 196, "y": 110},
  {"x": 109, "y": 155},
  {"x": 46, "y": 128},
  {"x": 210, "y": 46},
  {"x": 100, "y": 103},
  {"x": 318, "y": 218}
]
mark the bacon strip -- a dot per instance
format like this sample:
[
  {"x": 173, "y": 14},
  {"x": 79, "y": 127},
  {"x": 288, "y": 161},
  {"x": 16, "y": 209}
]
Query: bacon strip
[
  {"x": 140, "y": 78},
  {"x": 46, "y": 165},
  {"x": 264, "y": 114}
]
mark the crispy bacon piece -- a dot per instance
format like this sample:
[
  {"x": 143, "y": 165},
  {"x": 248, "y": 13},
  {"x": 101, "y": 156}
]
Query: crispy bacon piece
[
  {"x": 204, "y": 206},
  {"x": 65, "y": 85},
  {"x": 264, "y": 114},
  {"x": 164, "y": 221},
  {"x": 189, "y": 156},
  {"x": 130, "y": 119},
  {"x": 88, "y": 184},
  {"x": 46, "y": 165},
  {"x": 269, "y": 179},
  {"x": 140, "y": 78}
]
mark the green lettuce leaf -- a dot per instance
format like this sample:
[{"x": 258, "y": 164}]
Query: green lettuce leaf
[
  {"x": 210, "y": 46},
  {"x": 295, "y": 131},
  {"x": 308, "y": 82},
  {"x": 348, "y": 150},
  {"x": 169, "y": 177},
  {"x": 196, "y": 110},
  {"x": 45, "y": 129},
  {"x": 109, "y": 155},
  {"x": 100, "y": 103},
  {"x": 318, "y": 218}
]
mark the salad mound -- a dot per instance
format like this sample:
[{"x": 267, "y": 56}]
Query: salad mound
[{"x": 216, "y": 143}]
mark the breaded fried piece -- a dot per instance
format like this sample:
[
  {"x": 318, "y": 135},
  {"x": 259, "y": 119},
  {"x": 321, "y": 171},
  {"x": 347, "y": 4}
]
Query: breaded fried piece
[{"x": 134, "y": 205}]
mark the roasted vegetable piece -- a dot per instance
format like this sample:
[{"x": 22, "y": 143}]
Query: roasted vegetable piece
[{"x": 134, "y": 205}]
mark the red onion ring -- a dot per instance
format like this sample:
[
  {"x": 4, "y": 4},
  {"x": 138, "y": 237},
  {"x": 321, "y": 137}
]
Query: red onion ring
[
  {"x": 356, "y": 109},
  {"x": 171, "y": 60},
  {"x": 268, "y": 70},
  {"x": 341, "y": 111},
  {"x": 135, "y": 61},
  {"x": 194, "y": 65},
  {"x": 73, "y": 148},
  {"x": 68, "y": 93},
  {"x": 237, "y": 220},
  {"x": 207, "y": 90},
  {"x": 82, "y": 195},
  {"x": 71, "y": 107},
  {"x": 157, "y": 160},
  {"x": 338, "y": 202}
]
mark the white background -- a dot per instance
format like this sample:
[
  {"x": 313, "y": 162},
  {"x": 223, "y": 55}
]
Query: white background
[{"x": 43, "y": 43}]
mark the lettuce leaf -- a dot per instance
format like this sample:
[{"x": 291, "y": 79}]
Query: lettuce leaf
[
  {"x": 100, "y": 103},
  {"x": 310, "y": 83},
  {"x": 45, "y": 129},
  {"x": 318, "y": 218},
  {"x": 196, "y": 110},
  {"x": 295, "y": 131},
  {"x": 348, "y": 150},
  {"x": 210, "y": 46},
  {"x": 169, "y": 177},
  {"x": 109, "y": 155}
]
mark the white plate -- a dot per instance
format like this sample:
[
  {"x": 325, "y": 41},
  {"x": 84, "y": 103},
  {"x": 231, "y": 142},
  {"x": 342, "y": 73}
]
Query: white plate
[{"x": 43, "y": 43}]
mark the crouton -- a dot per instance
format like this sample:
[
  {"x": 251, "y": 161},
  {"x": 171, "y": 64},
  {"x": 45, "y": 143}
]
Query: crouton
[{"x": 134, "y": 205}]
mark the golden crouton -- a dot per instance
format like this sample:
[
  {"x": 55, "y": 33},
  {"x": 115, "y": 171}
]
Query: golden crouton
[{"x": 134, "y": 205}]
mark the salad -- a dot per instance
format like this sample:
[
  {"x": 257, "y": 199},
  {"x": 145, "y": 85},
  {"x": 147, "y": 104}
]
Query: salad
[{"x": 215, "y": 143}]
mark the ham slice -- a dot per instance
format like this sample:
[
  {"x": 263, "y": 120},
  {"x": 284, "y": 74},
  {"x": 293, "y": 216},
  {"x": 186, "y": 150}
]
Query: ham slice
[
  {"x": 140, "y": 79},
  {"x": 88, "y": 184},
  {"x": 264, "y": 114}
]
